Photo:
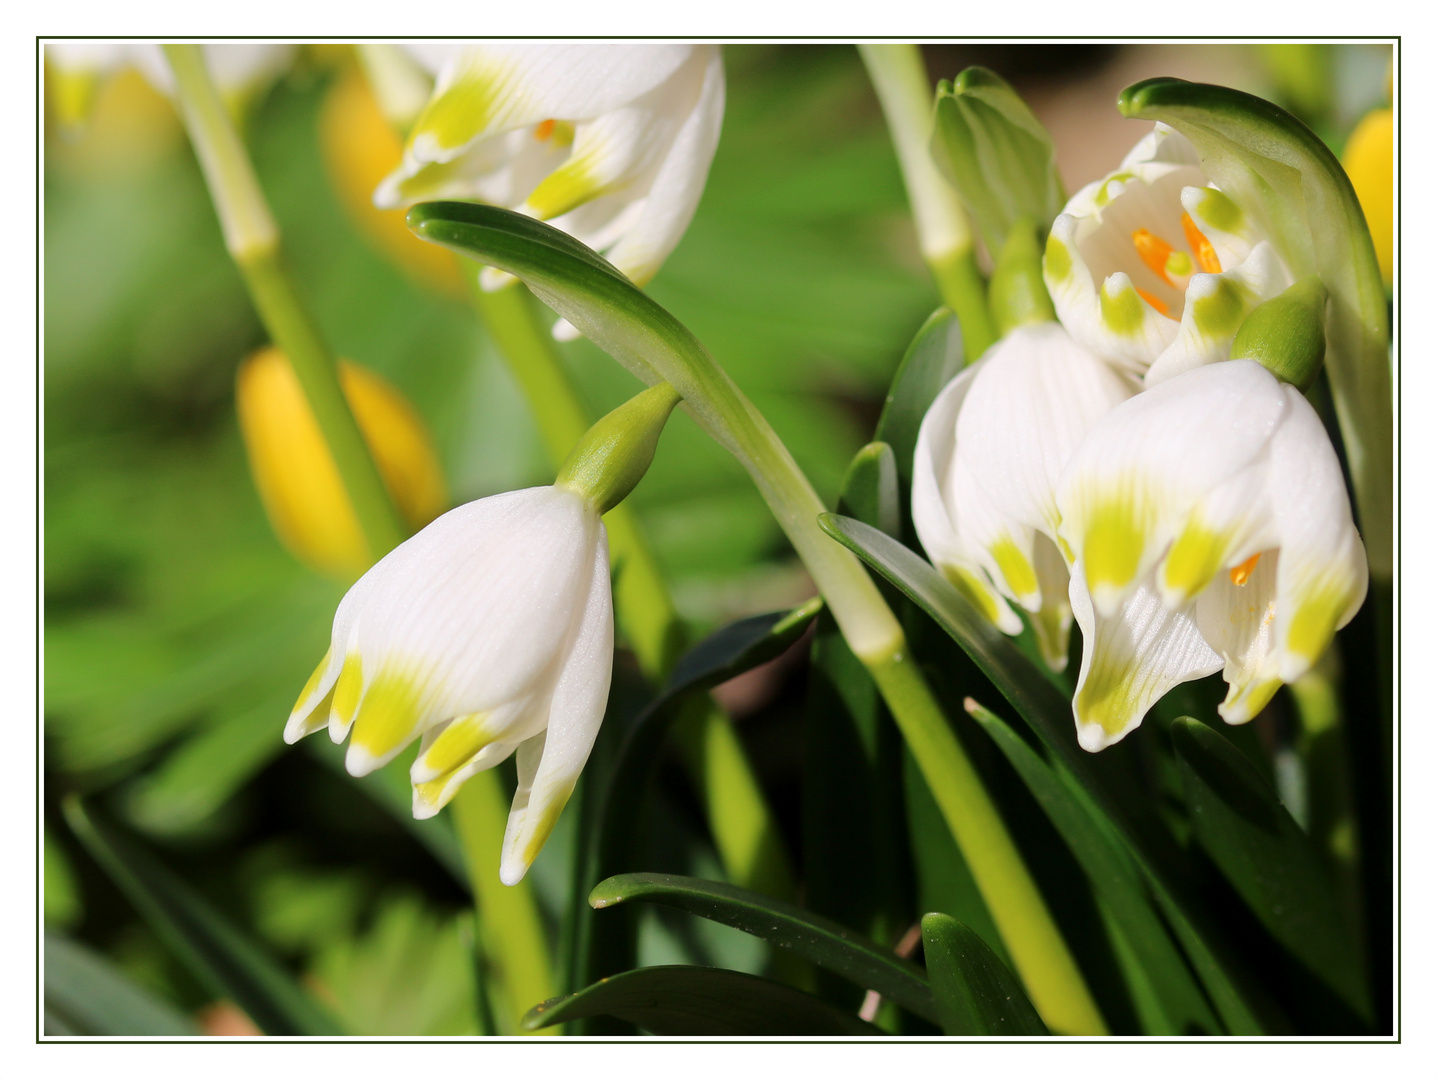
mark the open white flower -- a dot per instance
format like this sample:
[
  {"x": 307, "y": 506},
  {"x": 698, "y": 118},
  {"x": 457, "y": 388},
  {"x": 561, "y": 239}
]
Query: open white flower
[
  {"x": 488, "y": 633},
  {"x": 1210, "y": 528},
  {"x": 990, "y": 452},
  {"x": 1155, "y": 269},
  {"x": 609, "y": 142}
]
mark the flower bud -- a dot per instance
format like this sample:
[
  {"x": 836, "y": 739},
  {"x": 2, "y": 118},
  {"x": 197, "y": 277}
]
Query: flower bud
[
  {"x": 614, "y": 454},
  {"x": 297, "y": 478},
  {"x": 1286, "y": 334},
  {"x": 998, "y": 155}
]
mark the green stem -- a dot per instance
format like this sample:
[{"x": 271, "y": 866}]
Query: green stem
[
  {"x": 944, "y": 236},
  {"x": 1042, "y": 958},
  {"x": 252, "y": 239},
  {"x": 740, "y": 819},
  {"x": 508, "y": 914}
]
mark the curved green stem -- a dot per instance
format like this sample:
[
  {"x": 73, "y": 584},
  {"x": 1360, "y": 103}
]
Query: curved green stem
[
  {"x": 943, "y": 232},
  {"x": 740, "y": 819},
  {"x": 252, "y": 239}
]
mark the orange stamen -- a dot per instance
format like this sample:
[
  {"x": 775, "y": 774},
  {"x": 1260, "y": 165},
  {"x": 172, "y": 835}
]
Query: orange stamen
[
  {"x": 1157, "y": 305},
  {"x": 544, "y": 129},
  {"x": 1154, "y": 252},
  {"x": 1240, "y": 574},
  {"x": 1202, "y": 250}
]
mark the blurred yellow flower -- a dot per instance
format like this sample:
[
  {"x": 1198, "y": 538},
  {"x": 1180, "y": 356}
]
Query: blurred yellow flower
[
  {"x": 360, "y": 150},
  {"x": 295, "y": 472},
  {"x": 1368, "y": 161}
]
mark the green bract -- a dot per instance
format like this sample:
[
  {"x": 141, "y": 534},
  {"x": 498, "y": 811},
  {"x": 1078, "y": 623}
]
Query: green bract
[{"x": 996, "y": 153}]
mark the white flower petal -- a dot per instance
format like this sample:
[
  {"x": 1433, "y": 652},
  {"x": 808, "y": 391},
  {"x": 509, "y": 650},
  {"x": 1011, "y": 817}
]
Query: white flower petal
[
  {"x": 1131, "y": 659},
  {"x": 934, "y": 520},
  {"x": 1238, "y": 622},
  {"x": 578, "y": 707}
]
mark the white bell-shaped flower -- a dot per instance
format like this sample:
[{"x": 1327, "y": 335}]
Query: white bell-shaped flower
[
  {"x": 1210, "y": 528},
  {"x": 990, "y": 452},
  {"x": 609, "y": 142},
  {"x": 1153, "y": 268},
  {"x": 488, "y": 633}
]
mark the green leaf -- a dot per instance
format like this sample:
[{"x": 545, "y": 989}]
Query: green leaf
[
  {"x": 975, "y": 992},
  {"x": 1047, "y": 712},
  {"x": 62, "y": 896},
  {"x": 88, "y": 995},
  {"x": 933, "y": 358},
  {"x": 870, "y": 490},
  {"x": 1181, "y": 1007},
  {"x": 680, "y": 1000},
  {"x": 813, "y": 937},
  {"x": 1279, "y": 172},
  {"x": 215, "y": 951},
  {"x": 1268, "y": 859},
  {"x": 992, "y": 148}
]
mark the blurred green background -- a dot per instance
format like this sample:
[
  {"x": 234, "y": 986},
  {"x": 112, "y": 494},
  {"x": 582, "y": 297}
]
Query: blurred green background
[{"x": 177, "y": 630}]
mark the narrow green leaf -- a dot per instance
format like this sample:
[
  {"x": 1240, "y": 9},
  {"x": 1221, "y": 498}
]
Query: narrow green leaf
[
  {"x": 870, "y": 490},
  {"x": 813, "y": 937},
  {"x": 681, "y": 1000},
  {"x": 1108, "y": 865},
  {"x": 991, "y": 147},
  {"x": 934, "y": 357},
  {"x": 62, "y": 895},
  {"x": 1270, "y": 164},
  {"x": 1047, "y": 712},
  {"x": 1268, "y": 859},
  {"x": 975, "y": 992},
  {"x": 215, "y": 951},
  {"x": 90, "y": 996},
  {"x": 736, "y": 648}
]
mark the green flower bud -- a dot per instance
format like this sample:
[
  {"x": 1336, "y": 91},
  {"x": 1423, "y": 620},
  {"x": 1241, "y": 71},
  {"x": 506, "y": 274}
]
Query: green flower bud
[
  {"x": 612, "y": 457},
  {"x": 1287, "y": 334},
  {"x": 992, "y": 148}
]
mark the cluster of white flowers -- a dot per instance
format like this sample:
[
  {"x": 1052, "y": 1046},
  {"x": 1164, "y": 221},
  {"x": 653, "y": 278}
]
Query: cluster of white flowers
[{"x": 1118, "y": 468}]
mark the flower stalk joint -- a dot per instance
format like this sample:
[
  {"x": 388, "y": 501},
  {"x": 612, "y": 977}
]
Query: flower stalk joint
[{"x": 1016, "y": 293}]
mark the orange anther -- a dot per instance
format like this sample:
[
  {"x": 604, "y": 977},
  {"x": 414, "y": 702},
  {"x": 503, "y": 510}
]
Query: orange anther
[
  {"x": 1154, "y": 252},
  {"x": 1202, "y": 250},
  {"x": 1157, "y": 305},
  {"x": 1240, "y": 574},
  {"x": 544, "y": 129}
]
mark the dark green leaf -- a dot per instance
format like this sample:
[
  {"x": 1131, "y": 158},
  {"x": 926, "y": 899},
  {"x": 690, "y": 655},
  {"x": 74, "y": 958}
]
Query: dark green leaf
[
  {"x": 736, "y": 648},
  {"x": 934, "y": 356},
  {"x": 1046, "y": 711},
  {"x": 975, "y": 992},
  {"x": 1267, "y": 858},
  {"x": 870, "y": 490},
  {"x": 680, "y": 1000},
  {"x": 992, "y": 148},
  {"x": 1181, "y": 1007},
  {"x": 1278, "y": 171},
  {"x": 811, "y": 936},
  {"x": 90, "y": 996},
  {"x": 214, "y": 950}
]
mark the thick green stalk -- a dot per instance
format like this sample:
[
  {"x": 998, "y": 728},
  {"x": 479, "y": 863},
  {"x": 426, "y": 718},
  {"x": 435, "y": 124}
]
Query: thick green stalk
[
  {"x": 509, "y": 921},
  {"x": 743, "y": 827},
  {"x": 252, "y": 239},
  {"x": 943, "y": 232},
  {"x": 1044, "y": 964}
]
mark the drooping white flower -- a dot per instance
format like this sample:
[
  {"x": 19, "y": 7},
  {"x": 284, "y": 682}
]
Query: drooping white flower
[
  {"x": 488, "y": 633},
  {"x": 1210, "y": 528},
  {"x": 609, "y": 142},
  {"x": 990, "y": 451},
  {"x": 1155, "y": 269}
]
